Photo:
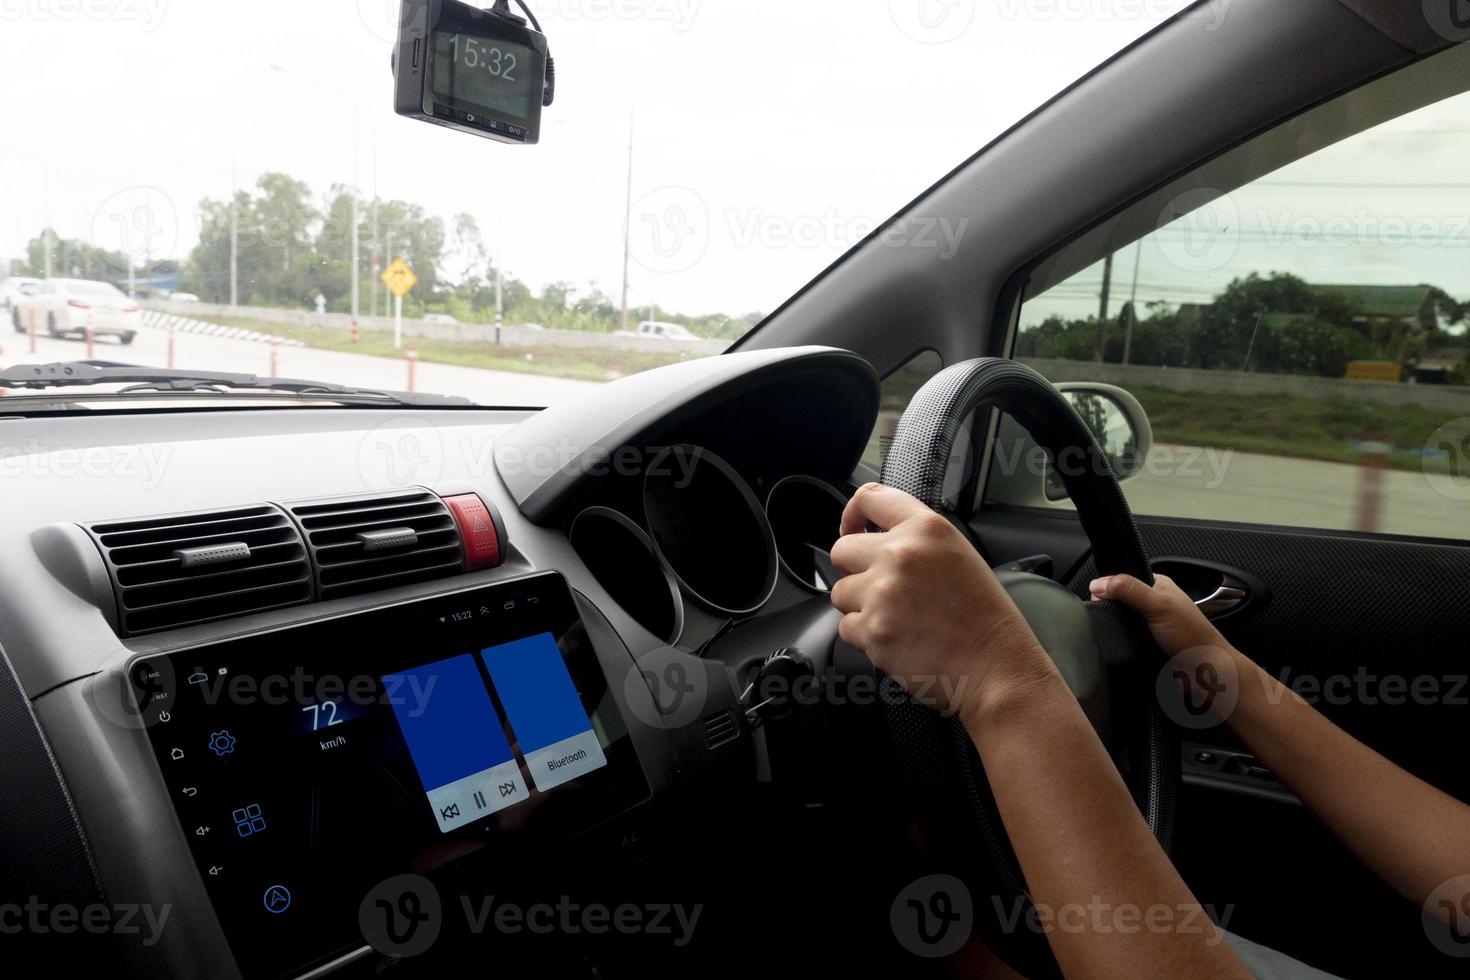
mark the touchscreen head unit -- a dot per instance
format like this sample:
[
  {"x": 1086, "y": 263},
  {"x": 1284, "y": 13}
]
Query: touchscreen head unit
[{"x": 308, "y": 764}]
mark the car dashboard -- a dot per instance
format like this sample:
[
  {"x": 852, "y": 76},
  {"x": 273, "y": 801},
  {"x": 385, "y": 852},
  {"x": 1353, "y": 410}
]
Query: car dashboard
[{"x": 277, "y": 658}]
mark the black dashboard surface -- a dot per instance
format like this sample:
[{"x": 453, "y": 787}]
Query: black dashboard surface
[{"x": 58, "y": 635}]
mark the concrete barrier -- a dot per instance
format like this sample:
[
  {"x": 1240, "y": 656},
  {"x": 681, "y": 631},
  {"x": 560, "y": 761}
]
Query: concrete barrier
[
  {"x": 510, "y": 336},
  {"x": 174, "y": 323},
  {"x": 1454, "y": 400}
]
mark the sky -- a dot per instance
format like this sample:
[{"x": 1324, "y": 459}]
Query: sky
[
  {"x": 767, "y": 138},
  {"x": 1389, "y": 206}
]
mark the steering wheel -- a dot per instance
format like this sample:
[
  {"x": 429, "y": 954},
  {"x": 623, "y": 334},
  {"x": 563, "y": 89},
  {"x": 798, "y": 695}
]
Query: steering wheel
[{"x": 1101, "y": 649}]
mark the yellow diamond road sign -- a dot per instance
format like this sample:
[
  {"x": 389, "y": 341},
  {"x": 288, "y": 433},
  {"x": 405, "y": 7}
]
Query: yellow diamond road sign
[{"x": 399, "y": 278}]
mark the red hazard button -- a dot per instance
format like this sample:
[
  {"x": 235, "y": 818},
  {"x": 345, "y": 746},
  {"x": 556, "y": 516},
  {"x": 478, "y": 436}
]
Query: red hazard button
[{"x": 476, "y": 530}]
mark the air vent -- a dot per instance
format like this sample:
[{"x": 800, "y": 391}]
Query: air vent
[
  {"x": 720, "y": 728},
  {"x": 363, "y": 544},
  {"x": 176, "y": 571}
]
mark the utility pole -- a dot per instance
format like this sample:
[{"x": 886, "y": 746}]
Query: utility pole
[
  {"x": 1102, "y": 316},
  {"x": 234, "y": 239},
  {"x": 377, "y": 258},
  {"x": 1132, "y": 307},
  {"x": 628, "y": 223},
  {"x": 356, "y": 238},
  {"x": 46, "y": 235},
  {"x": 356, "y": 257},
  {"x": 499, "y": 251}
]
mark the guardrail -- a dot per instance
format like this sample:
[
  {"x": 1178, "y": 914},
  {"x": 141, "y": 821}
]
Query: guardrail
[
  {"x": 1447, "y": 398},
  {"x": 159, "y": 320},
  {"x": 510, "y": 336}
]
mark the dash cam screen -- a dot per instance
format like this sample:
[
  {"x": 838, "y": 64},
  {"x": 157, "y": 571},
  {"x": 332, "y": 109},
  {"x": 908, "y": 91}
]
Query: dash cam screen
[
  {"x": 444, "y": 736},
  {"x": 487, "y": 73}
]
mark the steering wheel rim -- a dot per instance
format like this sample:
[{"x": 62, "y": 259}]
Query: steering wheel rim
[{"x": 936, "y": 755}]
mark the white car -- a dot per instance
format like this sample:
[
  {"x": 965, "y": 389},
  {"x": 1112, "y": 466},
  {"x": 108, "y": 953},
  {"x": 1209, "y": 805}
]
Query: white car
[
  {"x": 443, "y": 319},
  {"x": 14, "y": 287},
  {"x": 666, "y": 331},
  {"x": 68, "y": 307},
  {"x": 182, "y": 298}
]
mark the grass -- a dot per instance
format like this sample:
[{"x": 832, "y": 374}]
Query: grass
[
  {"x": 1274, "y": 425},
  {"x": 577, "y": 363},
  {"x": 1294, "y": 426}
]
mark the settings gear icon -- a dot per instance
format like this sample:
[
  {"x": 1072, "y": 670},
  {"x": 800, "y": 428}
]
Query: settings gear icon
[{"x": 221, "y": 743}]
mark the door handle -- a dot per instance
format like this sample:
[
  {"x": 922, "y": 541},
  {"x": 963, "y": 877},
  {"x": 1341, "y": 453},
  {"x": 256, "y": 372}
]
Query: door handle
[
  {"x": 1216, "y": 590},
  {"x": 1223, "y": 600}
]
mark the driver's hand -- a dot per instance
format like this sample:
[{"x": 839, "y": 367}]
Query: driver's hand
[
  {"x": 927, "y": 610},
  {"x": 1173, "y": 619}
]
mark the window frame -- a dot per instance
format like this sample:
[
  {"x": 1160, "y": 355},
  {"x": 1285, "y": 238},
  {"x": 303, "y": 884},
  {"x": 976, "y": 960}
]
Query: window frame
[{"x": 1371, "y": 103}]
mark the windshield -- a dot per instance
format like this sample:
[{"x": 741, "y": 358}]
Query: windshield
[{"x": 240, "y": 170}]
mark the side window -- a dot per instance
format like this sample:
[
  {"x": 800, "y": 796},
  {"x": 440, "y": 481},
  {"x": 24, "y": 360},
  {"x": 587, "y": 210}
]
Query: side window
[
  {"x": 1299, "y": 344},
  {"x": 899, "y": 389}
]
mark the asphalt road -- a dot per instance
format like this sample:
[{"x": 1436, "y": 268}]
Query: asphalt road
[
  {"x": 1292, "y": 493},
  {"x": 1180, "y": 482},
  {"x": 198, "y": 351}
]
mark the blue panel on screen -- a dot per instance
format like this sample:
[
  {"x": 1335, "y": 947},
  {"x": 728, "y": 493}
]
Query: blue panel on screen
[
  {"x": 448, "y": 721},
  {"x": 537, "y": 691}
]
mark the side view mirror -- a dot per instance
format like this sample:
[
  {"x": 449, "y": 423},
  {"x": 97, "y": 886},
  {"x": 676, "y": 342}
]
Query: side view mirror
[
  {"x": 1022, "y": 475},
  {"x": 1118, "y": 422}
]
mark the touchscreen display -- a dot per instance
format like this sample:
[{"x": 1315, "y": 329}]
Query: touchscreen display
[{"x": 308, "y": 764}]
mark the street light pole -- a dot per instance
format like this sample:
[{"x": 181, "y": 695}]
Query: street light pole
[
  {"x": 628, "y": 224},
  {"x": 356, "y": 243},
  {"x": 376, "y": 250},
  {"x": 234, "y": 239},
  {"x": 499, "y": 253}
]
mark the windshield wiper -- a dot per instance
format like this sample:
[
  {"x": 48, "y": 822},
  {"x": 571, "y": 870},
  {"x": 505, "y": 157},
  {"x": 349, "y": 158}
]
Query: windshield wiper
[{"x": 78, "y": 374}]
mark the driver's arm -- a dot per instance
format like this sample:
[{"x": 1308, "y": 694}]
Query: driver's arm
[
  {"x": 1412, "y": 835},
  {"x": 927, "y": 610}
]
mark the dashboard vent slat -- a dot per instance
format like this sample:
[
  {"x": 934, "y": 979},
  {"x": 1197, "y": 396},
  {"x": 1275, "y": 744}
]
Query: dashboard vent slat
[
  {"x": 720, "y": 729},
  {"x": 156, "y": 587},
  {"x": 339, "y": 534}
]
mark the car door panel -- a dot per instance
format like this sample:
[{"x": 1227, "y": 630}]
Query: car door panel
[{"x": 1371, "y": 630}]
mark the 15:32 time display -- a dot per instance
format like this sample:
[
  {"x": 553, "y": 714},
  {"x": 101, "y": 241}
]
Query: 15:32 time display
[{"x": 474, "y": 53}]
